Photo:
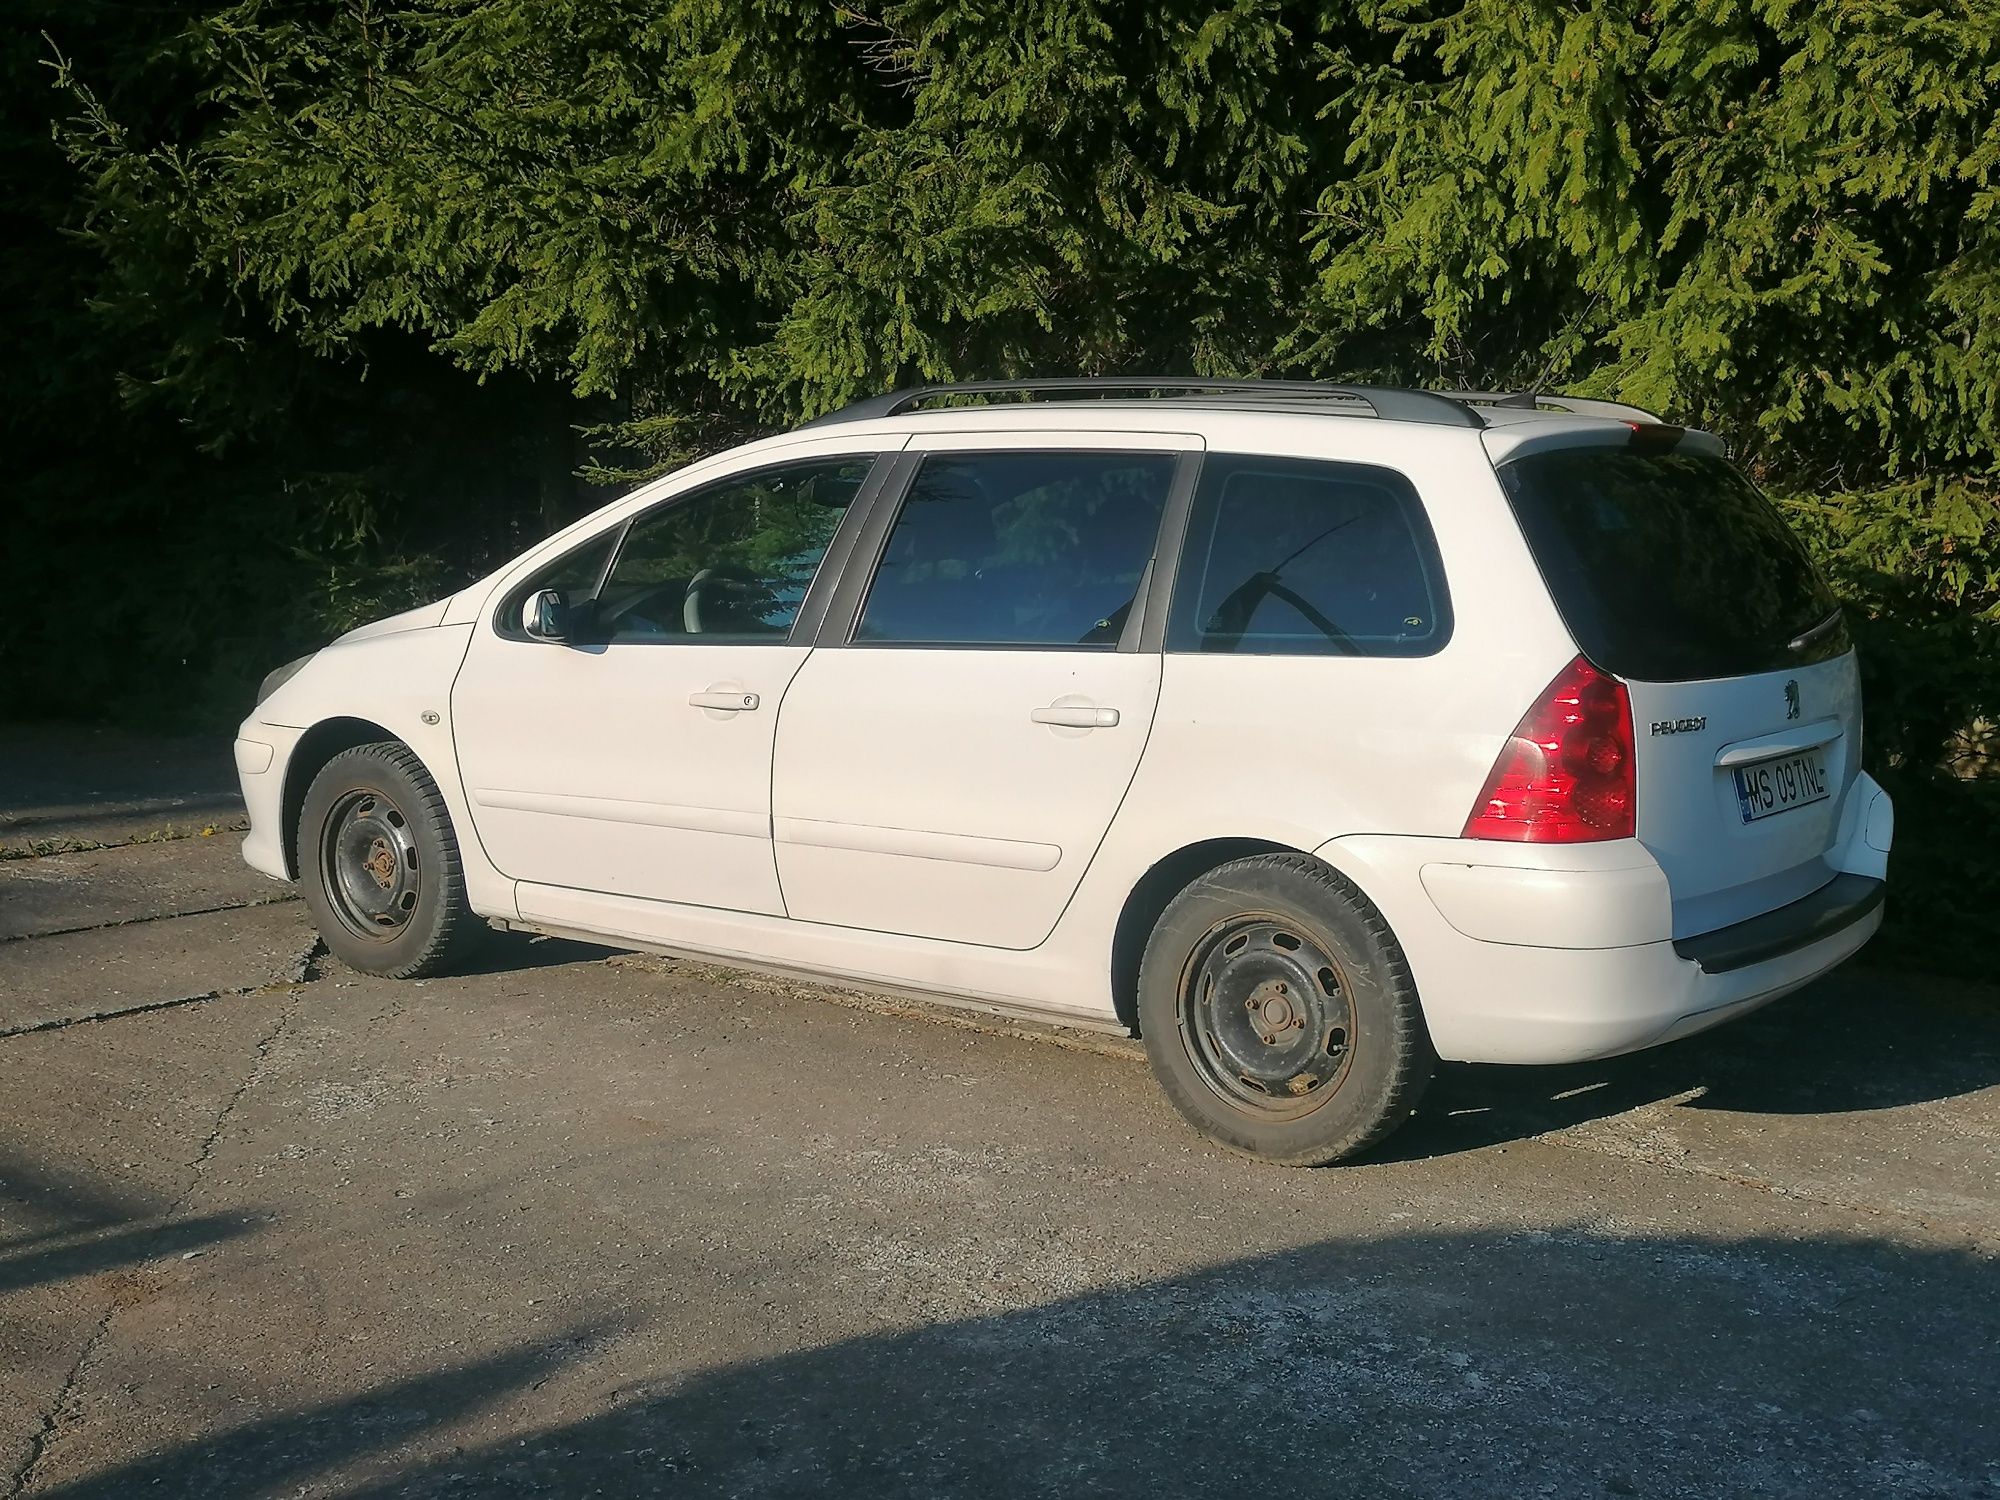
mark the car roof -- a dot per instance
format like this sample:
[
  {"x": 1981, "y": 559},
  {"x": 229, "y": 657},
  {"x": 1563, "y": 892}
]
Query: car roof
[
  {"x": 1508, "y": 424},
  {"x": 1474, "y": 410}
]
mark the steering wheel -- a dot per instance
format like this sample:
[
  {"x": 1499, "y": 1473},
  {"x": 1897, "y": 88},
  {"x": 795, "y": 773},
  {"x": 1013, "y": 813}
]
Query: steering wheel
[
  {"x": 702, "y": 589},
  {"x": 635, "y": 613}
]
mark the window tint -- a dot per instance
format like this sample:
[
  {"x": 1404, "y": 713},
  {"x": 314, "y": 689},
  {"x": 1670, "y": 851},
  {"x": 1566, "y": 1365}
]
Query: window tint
[
  {"x": 731, "y": 563},
  {"x": 1294, "y": 556},
  {"x": 1669, "y": 567},
  {"x": 1038, "y": 549}
]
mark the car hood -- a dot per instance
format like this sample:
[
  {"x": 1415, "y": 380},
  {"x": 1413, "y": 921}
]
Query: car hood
[{"x": 423, "y": 617}]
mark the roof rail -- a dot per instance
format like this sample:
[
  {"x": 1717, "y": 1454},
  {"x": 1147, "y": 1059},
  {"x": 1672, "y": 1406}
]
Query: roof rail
[
  {"x": 1582, "y": 406},
  {"x": 1388, "y": 403}
]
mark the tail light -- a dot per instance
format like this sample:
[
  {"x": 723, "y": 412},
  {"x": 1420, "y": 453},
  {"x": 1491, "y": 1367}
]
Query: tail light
[{"x": 1566, "y": 775}]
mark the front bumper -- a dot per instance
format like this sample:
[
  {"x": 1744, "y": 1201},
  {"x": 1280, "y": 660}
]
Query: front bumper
[
  {"x": 262, "y": 753},
  {"x": 1529, "y": 954}
]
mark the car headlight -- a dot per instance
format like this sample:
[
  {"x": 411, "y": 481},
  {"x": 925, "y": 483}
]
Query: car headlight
[{"x": 275, "y": 680}]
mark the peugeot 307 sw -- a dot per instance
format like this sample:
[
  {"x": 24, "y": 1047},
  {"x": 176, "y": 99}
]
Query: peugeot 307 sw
[{"x": 1314, "y": 733}]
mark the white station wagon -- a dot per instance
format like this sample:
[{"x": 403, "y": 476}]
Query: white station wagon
[{"x": 1314, "y": 733}]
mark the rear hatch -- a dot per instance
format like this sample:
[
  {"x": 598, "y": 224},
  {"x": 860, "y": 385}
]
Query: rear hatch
[{"x": 1673, "y": 572}]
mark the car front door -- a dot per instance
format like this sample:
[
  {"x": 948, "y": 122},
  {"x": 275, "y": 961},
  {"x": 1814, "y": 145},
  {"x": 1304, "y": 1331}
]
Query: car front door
[
  {"x": 634, "y": 756},
  {"x": 948, "y": 763}
]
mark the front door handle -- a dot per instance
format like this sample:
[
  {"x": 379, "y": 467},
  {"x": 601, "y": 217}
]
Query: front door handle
[
  {"x": 1075, "y": 716},
  {"x": 734, "y": 703}
]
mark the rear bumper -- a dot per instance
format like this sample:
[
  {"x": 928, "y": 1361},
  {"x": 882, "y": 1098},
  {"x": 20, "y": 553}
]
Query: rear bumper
[
  {"x": 1833, "y": 908},
  {"x": 1549, "y": 955}
]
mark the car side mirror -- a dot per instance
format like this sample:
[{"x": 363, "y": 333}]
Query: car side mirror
[{"x": 545, "y": 615}]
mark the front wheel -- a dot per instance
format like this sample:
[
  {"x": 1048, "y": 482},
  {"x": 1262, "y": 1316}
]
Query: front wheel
[
  {"x": 379, "y": 867},
  {"x": 1279, "y": 1015}
]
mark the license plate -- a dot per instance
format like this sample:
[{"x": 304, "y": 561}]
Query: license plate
[{"x": 1767, "y": 787}]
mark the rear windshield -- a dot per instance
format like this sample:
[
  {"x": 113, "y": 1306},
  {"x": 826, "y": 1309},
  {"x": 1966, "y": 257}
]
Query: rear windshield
[{"x": 1669, "y": 567}]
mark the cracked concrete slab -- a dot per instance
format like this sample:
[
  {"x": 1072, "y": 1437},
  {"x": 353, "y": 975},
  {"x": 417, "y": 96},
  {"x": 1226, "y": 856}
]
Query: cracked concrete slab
[
  {"x": 591, "y": 1227},
  {"x": 575, "y": 1227},
  {"x": 73, "y": 892},
  {"x": 102, "y": 1133},
  {"x": 106, "y": 971}
]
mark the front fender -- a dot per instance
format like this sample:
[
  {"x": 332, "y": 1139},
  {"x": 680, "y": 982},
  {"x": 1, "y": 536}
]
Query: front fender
[{"x": 400, "y": 681}]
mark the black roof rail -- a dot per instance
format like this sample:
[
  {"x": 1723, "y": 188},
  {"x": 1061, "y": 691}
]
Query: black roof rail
[
  {"x": 1387, "y": 402},
  {"x": 1582, "y": 406}
]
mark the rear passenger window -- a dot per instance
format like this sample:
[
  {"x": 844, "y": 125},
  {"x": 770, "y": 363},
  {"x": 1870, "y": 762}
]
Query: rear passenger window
[
  {"x": 1292, "y": 556},
  {"x": 1018, "y": 549}
]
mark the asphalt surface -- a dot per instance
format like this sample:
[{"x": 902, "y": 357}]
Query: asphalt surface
[{"x": 595, "y": 1225}]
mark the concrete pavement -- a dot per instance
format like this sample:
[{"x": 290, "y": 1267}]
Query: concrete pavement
[{"x": 587, "y": 1225}]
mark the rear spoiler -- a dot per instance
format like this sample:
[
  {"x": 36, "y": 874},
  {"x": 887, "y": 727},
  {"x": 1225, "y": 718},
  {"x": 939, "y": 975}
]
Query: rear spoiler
[
  {"x": 1511, "y": 440},
  {"x": 1577, "y": 406}
]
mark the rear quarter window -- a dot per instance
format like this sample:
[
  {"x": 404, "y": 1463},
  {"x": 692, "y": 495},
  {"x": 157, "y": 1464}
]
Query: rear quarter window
[
  {"x": 1669, "y": 566},
  {"x": 1304, "y": 557}
]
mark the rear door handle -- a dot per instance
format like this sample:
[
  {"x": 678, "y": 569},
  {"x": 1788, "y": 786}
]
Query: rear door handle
[
  {"x": 1075, "y": 716},
  {"x": 728, "y": 702}
]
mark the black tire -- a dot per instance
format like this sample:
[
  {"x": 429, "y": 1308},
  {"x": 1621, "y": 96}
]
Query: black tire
[
  {"x": 1279, "y": 1014},
  {"x": 379, "y": 866}
]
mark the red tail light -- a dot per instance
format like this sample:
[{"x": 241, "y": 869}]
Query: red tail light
[{"x": 1566, "y": 774}]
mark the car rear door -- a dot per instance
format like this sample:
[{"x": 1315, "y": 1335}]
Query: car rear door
[
  {"x": 950, "y": 758},
  {"x": 1674, "y": 573}
]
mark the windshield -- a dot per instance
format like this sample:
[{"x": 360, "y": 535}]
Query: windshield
[{"x": 1669, "y": 567}]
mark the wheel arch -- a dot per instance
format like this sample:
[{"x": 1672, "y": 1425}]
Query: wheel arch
[
  {"x": 1165, "y": 879},
  {"x": 315, "y": 748}
]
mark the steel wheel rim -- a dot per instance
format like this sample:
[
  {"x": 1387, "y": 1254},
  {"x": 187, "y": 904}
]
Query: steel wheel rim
[
  {"x": 1265, "y": 1016},
  {"x": 368, "y": 865}
]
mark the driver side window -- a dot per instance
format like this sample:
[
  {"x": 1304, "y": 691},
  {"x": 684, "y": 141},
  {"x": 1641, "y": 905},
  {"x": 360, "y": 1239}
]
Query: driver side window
[{"x": 730, "y": 564}]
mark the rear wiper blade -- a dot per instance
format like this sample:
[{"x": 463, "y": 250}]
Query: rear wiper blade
[{"x": 1801, "y": 641}]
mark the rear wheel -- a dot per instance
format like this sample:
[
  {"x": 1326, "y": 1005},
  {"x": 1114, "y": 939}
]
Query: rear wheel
[
  {"x": 1279, "y": 1014},
  {"x": 379, "y": 866}
]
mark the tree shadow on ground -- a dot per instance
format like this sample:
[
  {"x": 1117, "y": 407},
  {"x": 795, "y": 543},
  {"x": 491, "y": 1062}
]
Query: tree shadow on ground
[
  {"x": 1578, "y": 1362},
  {"x": 1857, "y": 1041},
  {"x": 48, "y": 766},
  {"x": 286, "y": 1450},
  {"x": 64, "y": 1199},
  {"x": 83, "y": 1227},
  {"x": 90, "y": 1254}
]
